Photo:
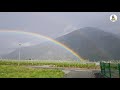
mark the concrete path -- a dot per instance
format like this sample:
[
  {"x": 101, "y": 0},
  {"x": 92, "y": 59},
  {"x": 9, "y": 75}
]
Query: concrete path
[
  {"x": 78, "y": 74},
  {"x": 72, "y": 72}
]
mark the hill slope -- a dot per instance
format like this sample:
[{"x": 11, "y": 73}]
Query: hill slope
[{"x": 93, "y": 43}]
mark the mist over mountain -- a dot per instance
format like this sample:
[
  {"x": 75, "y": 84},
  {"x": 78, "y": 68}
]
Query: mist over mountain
[
  {"x": 93, "y": 43},
  {"x": 89, "y": 42},
  {"x": 44, "y": 51}
]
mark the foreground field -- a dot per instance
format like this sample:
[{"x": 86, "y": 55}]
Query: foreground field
[
  {"x": 21, "y": 69},
  {"x": 11, "y": 71}
]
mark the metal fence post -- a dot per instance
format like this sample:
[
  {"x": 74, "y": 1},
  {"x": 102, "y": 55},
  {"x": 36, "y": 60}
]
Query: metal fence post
[
  {"x": 109, "y": 70},
  {"x": 119, "y": 69},
  {"x": 104, "y": 68},
  {"x": 101, "y": 67}
]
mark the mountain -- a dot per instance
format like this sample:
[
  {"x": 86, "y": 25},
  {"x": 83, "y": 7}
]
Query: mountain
[
  {"x": 89, "y": 42},
  {"x": 93, "y": 43},
  {"x": 44, "y": 51}
]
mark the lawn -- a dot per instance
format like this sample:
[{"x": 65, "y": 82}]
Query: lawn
[
  {"x": 21, "y": 69},
  {"x": 12, "y": 71}
]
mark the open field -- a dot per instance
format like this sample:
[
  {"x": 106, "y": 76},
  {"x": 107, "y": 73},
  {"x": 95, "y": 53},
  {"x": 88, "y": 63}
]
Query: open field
[
  {"x": 23, "y": 68},
  {"x": 73, "y": 64},
  {"x": 12, "y": 71}
]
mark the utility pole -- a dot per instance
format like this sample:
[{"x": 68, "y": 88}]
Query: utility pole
[
  {"x": 1, "y": 57},
  {"x": 19, "y": 50}
]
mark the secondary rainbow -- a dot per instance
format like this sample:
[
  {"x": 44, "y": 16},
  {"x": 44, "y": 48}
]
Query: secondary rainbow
[{"x": 45, "y": 37}]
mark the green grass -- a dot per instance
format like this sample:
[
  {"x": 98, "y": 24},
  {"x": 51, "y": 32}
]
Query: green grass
[
  {"x": 11, "y": 71},
  {"x": 72, "y": 64},
  {"x": 20, "y": 69}
]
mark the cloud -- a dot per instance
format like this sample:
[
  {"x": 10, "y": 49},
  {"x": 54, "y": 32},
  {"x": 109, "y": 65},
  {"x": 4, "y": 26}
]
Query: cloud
[
  {"x": 69, "y": 28},
  {"x": 32, "y": 43},
  {"x": 27, "y": 44},
  {"x": 23, "y": 44}
]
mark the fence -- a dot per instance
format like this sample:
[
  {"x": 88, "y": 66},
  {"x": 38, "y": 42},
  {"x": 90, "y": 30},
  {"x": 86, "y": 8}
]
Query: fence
[{"x": 110, "y": 70}]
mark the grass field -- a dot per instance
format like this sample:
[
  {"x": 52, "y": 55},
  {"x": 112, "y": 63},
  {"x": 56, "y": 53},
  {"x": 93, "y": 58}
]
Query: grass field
[
  {"x": 20, "y": 69},
  {"x": 54, "y": 63},
  {"x": 11, "y": 71}
]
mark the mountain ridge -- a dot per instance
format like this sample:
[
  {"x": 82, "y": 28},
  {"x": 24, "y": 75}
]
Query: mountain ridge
[{"x": 90, "y": 43}]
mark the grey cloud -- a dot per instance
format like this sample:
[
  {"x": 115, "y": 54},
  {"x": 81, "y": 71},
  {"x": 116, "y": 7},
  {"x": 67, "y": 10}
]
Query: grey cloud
[{"x": 52, "y": 24}]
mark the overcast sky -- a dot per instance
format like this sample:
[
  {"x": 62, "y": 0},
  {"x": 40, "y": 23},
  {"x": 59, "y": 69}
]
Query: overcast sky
[{"x": 52, "y": 24}]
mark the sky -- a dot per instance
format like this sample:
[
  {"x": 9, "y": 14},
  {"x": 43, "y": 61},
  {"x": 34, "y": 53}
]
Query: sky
[{"x": 51, "y": 24}]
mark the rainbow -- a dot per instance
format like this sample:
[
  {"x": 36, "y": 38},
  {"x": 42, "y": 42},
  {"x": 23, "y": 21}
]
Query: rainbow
[{"x": 45, "y": 37}]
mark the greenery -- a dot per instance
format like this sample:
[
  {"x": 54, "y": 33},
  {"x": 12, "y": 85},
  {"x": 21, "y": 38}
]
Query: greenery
[
  {"x": 23, "y": 69},
  {"x": 72, "y": 64},
  {"x": 11, "y": 71},
  {"x": 111, "y": 69}
]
